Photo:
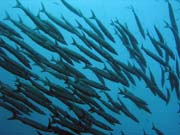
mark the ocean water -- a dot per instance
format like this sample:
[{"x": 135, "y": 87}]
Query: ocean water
[{"x": 155, "y": 12}]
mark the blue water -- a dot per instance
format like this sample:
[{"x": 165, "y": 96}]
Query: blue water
[{"x": 150, "y": 13}]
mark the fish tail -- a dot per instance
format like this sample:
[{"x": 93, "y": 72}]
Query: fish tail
[
  {"x": 120, "y": 91},
  {"x": 49, "y": 123},
  {"x": 20, "y": 19},
  {"x": 7, "y": 16},
  {"x": 86, "y": 66},
  {"x": 18, "y": 4},
  {"x": 73, "y": 41},
  {"x": 79, "y": 25},
  {"x": 153, "y": 127},
  {"x": 93, "y": 15},
  {"x": 112, "y": 23},
  {"x": 46, "y": 82},
  {"x": 166, "y": 24},
  {"x": 42, "y": 8},
  {"x": 14, "y": 116}
]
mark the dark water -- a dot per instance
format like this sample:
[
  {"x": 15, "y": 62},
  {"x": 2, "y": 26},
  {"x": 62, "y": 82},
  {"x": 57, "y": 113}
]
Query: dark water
[{"x": 164, "y": 116}]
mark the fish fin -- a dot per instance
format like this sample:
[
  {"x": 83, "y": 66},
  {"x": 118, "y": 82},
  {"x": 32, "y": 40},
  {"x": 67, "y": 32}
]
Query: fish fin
[
  {"x": 167, "y": 25},
  {"x": 80, "y": 13},
  {"x": 121, "y": 91},
  {"x": 66, "y": 80},
  {"x": 42, "y": 8},
  {"x": 53, "y": 59},
  {"x": 73, "y": 41},
  {"x": 46, "y": 81},
  {"x": 62, "y": 17},
  {"x": 7, "y": 16},
  {"x": 20, "y": 19},
  {"x": 91, "y": 110},
  {"x": 38, "y": 15},
  {"x": 18, "y": 4},
  {"x": 14, "y": 116},
  {"x": 168, "y": 96},
  {"x": 112, "y": 23},
  {"x": 105, "y": 67},
  {"x": 93, "y": 15},
  {"x": 142, "y": 47},
  {"x": 79, "y": 25},
  {"x": 39, "y": 133},
  {"x": 44, "y": 69},
  {"x": 153, "y": 127},
  {"x": 86, "y": 66},
  {"x": 49, "y": 123}
]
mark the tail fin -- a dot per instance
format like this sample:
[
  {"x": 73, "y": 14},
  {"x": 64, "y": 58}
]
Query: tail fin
[
  {"x": 18, "y": 4},
  {"x": 46, "y": 82},
  {"x": 42, "y": 8},
  {"x": 121, "y": 91},
  {"x": 168, "y": 97},
  {"x": 166, "y": 24},
  {"x": 153, "y": 127},
  {"x": 20, "y": 19},
  {"x": 49, "y": 123},
  {"x": 112, "y": 23},
  {"x": 93, "y": 15},
  {"x": 73, "y": 41},
  {"x": 7, "y": 16},
  {"x": 79, "y": 25},
  {"x": 14, "y": 116}
]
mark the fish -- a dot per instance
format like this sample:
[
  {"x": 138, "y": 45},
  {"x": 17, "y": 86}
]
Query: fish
[
  {"x": 88, "y": 100},
  {"x": 174, "y": 82},
  {"x": 58, "y": 130},
  {"x": 138, "y": 101},
  {"x": 54, "y": 29},
  {"x": 102, "y": 42},
  {"x": 30, "y": 122},
  {"x": 82, "y": 87},
  {"x": 160, "y": 36},
  {"x": 94, "y": 84},
  {"x": 57, "y": 21},
  {"x": 172, "y": 17},
  {"x": 102, "y": 27},
  {"x": 131, "y": 37},
  {"x": 177, "y": 68},
  {"x": 15, "y": 52},
  {"x": 158, "y": 132},
  {"x": 9, "y": 107},
  {"x": 75, "y": 54},
  {"x": 153, "y": 41},
  {"x": 17, "y": 104},
  {"x": 9, "y": 30},
  {"x": 168, "y": 95},
  {"x": 86, "y": 51},
  {"x": 162, "y": 76},
  {"x": 109, "y": 118},
  {"x": 15, "y": 67},
  {"x": 138, "y": 23},
  {"x": 39, "y": 23},
  {"x": 166, "y": 48},
  {"x": 110, "y": 106},
  {"x": 125, "y": 110},
  {"x": 155, "y": 57},
  {"x": 71, "y": 8},
  {"x": 9, "y": 91},
  {"x": 179, "y": 108},
  {"x": 176, "y": 37},
  {"x": 94, "y": 28},
  {"x": 86, "y": 116}
]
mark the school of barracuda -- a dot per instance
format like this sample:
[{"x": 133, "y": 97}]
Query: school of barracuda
[{"x": 78, "y": 89}]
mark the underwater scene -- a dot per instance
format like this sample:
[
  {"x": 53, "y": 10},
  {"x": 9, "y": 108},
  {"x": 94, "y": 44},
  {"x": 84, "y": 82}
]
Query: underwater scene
[{"x": 89, "y": 67}]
